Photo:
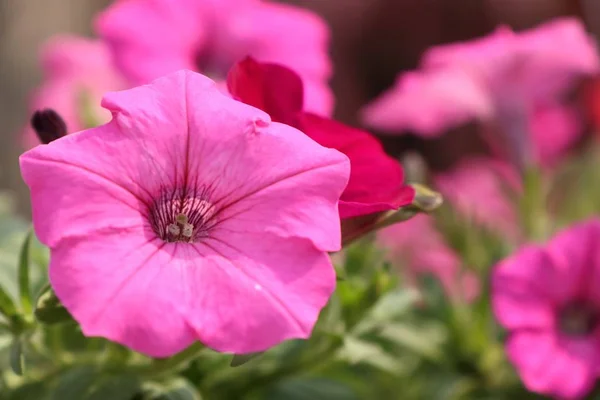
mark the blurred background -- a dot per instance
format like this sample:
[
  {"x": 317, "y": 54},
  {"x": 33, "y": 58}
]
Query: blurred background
[{"x": 372, "y": 40}]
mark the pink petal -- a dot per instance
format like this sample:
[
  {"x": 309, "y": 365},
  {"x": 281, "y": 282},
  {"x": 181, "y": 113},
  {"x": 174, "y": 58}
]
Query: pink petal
[
  {"x": 523, "y": 288},
  {"x": 554, "y": 129},
  {"x": 548, "y": 366},
  {"x": 574, "y": 253},
  {"x": 75, "y": 193},
  {"x": 243, "y": 300},
  {"x": 478, "y": 188},
  {"x": 376, "y": 180},
  {"x": 151, "y": 38},
  {"x": 127, "y": 286},
  {"x": 418, "y": 247},
  {"x": 429, "y": 103}
]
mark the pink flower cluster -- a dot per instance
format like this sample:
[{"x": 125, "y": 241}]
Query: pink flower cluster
[
  {"x": 203, "y": 184},
  {"x": 514, "y": 84},
  {"x": 190, "y": 215}
]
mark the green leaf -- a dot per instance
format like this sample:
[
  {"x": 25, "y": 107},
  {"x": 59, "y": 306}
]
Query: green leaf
[
  {"x": 355, "y": 351},
  {"x": 177, "y": 389},
  {"x": 48, "y": 309},
  {"x": 7, "y": 305},
  {"x": 425, "y": 340},
  {"x": 311, "y": 389},
  {"x": 241, "y": 359},
  {"x": 17, "y": 359},
  {"x": 123, "y": 387},
  {"x": 74, "y": 384},
  {"x": 23, "y": 273}
]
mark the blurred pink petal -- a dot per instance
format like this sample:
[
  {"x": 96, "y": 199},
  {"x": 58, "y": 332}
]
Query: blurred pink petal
[
  {"x": 418, "y": 248},
  {"x": 429, "y": 102},
  {"x": 77, "y": 73},
  {"x": 547, "y": 297},
  {"x": 555, "y": 129},
  {"x": 549, "y": 365},
  {"x": 189, "y": 216},
  {"x": 479, "y": 189},
  {"x": 151, "y": 38}
]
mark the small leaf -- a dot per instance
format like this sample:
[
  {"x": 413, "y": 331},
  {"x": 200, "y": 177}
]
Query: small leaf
[
  {"x": 123, "y": 387},
  {"x": 311, "y": 389},
  {"x": 48, "y": 309},
  {"x": 17, "y": 359},
  {"x": 7, "y": 305},
  {"x": 241, "y": 359},
  {"x": 74, "y": 384},
  {"x": 177, "y": 389},
  {"x": 23, "y": 273}
]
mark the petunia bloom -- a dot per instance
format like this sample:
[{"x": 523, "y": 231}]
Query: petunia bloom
[
  {"x": 189, "y": 216},
  {"x": 376, "y": 180},
  {"x": 548, "y": 298},
  {"x": 77, "y": 73},
  {"x": 514, "y": 84},
  {"x": 151, "y": 38}
]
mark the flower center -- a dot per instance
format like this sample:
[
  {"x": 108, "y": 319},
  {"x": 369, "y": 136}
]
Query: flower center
[
  {"x": 578, "y": 319},
  {"x": 177, "y": 217}
]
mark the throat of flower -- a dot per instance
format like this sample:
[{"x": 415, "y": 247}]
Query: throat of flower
[{"x": 578, "y": 319}]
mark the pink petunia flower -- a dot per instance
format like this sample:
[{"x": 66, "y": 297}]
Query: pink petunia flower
[
  {"x": 77, "y": 73},
  {"x": 189, "y": 216},
  {"x": 513, "y": 83},
  {"x": 417, "y": 248},
  {"x": 151, "y": 38},
  {"x": 548, "y": 298},
  {"x": 376, "y": 180}
]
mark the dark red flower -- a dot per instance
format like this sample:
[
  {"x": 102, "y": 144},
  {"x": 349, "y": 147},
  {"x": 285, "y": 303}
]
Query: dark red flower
[{"x": 376, "y": 179}]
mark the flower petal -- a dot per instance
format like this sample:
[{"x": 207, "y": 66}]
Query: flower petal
[
  {"x": 126, "y": 286},
  {"x": 256, "y": 290},
  {"x": 521, "y": 298},
  {"x": 273, "y": 88},
  {"x": 429, "y": 103},
  {"x": 152, "y": 38},
  {"x": 376, "y": 179},
  {"x": 550, "y": 367}
]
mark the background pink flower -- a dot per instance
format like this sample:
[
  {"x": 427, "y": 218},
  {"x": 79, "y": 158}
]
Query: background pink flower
[
  {"x": 77, "y": 73},
  {"x": 376, "y": 179},
  {"x": 480, "y": 190},
  {"x": 151, "y": 38},
  {"x": 417, "y": 248},
  {"x": 513, "y": 83},
  {"x": 189, "y": 216},
  {"x": 548, "y": 299}
]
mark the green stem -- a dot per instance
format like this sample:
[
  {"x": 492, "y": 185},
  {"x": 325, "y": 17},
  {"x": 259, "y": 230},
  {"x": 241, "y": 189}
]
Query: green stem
[{"x": 533, "y": 206}]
